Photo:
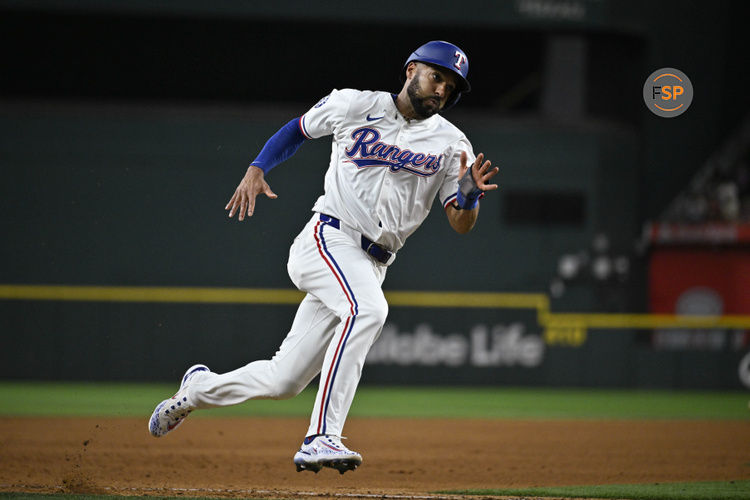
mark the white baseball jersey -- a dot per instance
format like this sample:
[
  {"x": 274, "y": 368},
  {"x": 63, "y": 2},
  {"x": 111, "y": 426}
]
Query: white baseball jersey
[{"x": 385, "y": 171}]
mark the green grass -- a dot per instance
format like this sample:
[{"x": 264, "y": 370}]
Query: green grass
[
  {"x": 128, "y": 400},
  {"x": 711, "y": 490}
]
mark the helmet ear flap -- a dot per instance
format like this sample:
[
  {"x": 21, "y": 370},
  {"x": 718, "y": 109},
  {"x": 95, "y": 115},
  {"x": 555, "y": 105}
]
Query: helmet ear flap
[{"x": 452, "y": 100}]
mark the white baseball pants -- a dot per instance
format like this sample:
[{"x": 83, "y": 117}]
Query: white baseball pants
[{"x": 336, "y": 324}]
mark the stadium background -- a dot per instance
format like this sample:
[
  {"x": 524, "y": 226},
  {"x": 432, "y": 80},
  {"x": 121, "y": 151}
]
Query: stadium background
[{"x": 124, "y": 128}]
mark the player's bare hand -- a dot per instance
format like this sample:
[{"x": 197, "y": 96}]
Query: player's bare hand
[
  {"x": 243, "y": 199},
  {"x": 481, "y": 171}
]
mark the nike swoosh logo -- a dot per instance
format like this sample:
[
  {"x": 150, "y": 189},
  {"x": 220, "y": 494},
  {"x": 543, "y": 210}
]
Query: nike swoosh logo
[{"x": 370, "y": 119}]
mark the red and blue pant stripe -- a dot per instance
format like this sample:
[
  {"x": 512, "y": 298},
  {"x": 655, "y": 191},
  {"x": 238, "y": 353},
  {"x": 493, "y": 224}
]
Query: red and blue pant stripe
[{"x": 330, "y": 375}]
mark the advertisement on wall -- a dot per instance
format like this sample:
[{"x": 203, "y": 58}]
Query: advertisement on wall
[
  {"x": 444, "y": 345},
  {"x": 512, "y": 347},
  {"x": 430, "y": 338}
]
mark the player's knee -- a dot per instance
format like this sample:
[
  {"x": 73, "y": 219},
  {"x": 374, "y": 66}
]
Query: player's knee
[{"x": 375, "y": 311}]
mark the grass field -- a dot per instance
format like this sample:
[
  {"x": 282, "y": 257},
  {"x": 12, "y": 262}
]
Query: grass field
[
  {"x": 136, "y": 400},
  {"x": 129, "y": 400},
  {"x": 724, "y": 490}
]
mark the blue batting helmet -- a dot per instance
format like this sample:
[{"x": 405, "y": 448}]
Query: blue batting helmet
[{"x": 448, "y": 56}]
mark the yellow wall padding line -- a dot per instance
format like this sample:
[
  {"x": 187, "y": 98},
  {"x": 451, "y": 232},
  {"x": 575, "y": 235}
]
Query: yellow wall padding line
[
  {"x": 469, "y": 299},
  {"x": 261, "y": 296},
  {"x": 278, "y": 296},
  {"x": 642, "y": 321},
  {"x": 151, "y": 294}
]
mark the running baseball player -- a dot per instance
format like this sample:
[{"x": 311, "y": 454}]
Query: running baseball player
[{"x": 392, "y": 155}]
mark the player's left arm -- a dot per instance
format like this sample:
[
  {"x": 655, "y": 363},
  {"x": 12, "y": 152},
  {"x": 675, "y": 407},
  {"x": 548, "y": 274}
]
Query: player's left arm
[{"x": 473, "y": 183}]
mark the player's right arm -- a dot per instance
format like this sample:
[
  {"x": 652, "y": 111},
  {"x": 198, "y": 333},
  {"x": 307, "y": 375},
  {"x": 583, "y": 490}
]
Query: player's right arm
[
  {"x": 243, "y": 199},
  {"x": 278, "y": 148},
  {"x": 322, "y": 119}
]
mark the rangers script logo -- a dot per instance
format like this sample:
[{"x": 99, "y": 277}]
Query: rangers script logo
[{"x": 369, "y": 151}]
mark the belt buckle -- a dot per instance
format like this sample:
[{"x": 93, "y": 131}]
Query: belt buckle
[
  {"x": 384, "y": 255},
  {"x": 376, "y": 251}
]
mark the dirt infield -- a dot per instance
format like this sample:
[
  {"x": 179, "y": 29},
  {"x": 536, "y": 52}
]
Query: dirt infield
[{"x": 253, "y": 457}]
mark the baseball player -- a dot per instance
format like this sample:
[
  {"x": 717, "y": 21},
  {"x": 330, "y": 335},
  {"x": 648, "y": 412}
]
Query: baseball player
[{"x": 391, "y": 156}]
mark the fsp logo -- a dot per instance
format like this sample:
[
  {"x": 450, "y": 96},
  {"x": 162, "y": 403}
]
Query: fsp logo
[{"x": 668, "y": 92}]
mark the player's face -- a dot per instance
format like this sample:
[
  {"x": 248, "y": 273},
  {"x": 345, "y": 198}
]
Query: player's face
[{"x": 430, "y": 89}]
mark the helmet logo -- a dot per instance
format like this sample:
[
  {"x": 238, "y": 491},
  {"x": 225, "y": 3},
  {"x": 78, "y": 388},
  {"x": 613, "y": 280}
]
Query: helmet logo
[{"x": 460, "y": 60}]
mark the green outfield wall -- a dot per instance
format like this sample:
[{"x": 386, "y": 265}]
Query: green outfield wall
[{"x": 113, "y": 196}]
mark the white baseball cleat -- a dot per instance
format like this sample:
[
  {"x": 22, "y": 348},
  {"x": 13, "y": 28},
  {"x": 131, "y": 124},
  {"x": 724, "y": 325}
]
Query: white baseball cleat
[
  {"x": 170, "y": 413},
  {"x": 325, "y": 450}
]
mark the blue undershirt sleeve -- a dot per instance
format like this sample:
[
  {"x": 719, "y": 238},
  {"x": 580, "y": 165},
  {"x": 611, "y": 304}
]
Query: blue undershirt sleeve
[{"x": 280, "y": 147}]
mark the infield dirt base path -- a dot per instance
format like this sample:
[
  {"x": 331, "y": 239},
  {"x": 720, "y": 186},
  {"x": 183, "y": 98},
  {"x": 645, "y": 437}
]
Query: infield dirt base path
[{"x": 253, "y": 457}]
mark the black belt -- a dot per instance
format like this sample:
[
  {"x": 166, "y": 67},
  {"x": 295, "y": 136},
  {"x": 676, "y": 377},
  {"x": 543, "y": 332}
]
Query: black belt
[{"x": 379, "y": 253}]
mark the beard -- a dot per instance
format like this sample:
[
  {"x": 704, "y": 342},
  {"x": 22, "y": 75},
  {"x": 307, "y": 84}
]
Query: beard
[{"x": 424, "y": 107}]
